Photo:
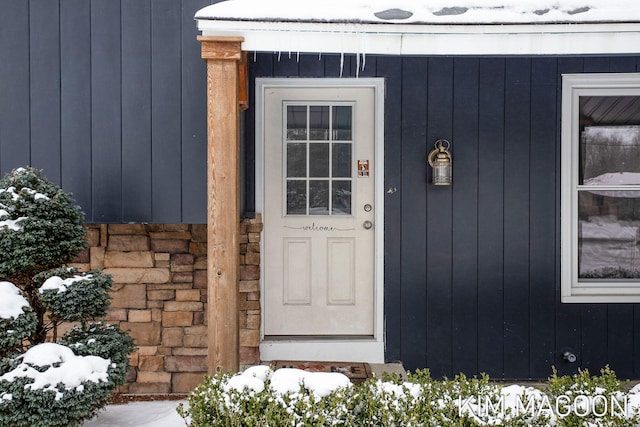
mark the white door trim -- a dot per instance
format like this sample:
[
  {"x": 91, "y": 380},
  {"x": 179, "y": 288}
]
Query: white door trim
[{"x": 361, "y": 350}]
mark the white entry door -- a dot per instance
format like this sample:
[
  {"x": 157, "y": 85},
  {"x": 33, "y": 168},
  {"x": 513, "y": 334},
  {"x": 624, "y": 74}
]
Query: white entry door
[{"x": 319, "y": 212}]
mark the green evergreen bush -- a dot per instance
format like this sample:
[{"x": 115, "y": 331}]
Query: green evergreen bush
[
  {"x": 60, "y": 383},
  {"x": 250, "y": 399}
]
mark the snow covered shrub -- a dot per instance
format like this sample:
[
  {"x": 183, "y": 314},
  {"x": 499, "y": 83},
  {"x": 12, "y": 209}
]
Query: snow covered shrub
[
  {"x": 290, "y": 397},
  {"x": 47, "y": 383}
]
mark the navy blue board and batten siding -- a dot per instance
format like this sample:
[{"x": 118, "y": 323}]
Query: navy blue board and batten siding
[
  {"x": 472, "y": 272},
  {"x": 108, "y": 97}
]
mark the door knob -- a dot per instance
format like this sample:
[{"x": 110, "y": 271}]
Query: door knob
[{"x": 367, "y": 225}]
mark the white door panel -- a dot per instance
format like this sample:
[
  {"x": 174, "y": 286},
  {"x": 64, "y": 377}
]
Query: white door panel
[{"x": 319, "y": 168}]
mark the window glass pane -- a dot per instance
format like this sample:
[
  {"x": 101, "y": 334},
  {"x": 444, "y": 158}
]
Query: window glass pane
[
  {"x": 297, "y": 160},
  {"x": 296, "y": 197},
  {"x": 341, "y": 198},
  {"x": 342, "y": 123},
  {"x": 319, "y": 160},
  {"x": 319, "y": 197},
  {"x": 319, "y": 123},
  {"x": 610, "y": 155},
  {"x": 608, "y": 234},
  {"x": 296, "y": 122},
  {"x": 341, "y": 160}
]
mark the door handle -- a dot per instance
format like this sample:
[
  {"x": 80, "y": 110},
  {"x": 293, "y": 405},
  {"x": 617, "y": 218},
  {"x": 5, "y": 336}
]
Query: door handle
[{"x": 367, "y": 225}]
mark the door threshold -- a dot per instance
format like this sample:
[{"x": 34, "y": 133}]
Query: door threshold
[{"x": 369, "y": 349}]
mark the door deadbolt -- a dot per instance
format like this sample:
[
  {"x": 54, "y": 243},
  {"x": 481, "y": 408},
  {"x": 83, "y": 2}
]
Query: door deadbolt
[{"x": 367, "y": 225}]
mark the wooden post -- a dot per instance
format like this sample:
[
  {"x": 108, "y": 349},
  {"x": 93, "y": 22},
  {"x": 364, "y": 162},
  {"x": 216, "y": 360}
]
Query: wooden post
[{"x": 223, "y": 55}]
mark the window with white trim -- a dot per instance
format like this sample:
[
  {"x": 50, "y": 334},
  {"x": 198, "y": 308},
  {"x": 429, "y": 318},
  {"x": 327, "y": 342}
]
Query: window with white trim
[{"x": 600, "y": 188}]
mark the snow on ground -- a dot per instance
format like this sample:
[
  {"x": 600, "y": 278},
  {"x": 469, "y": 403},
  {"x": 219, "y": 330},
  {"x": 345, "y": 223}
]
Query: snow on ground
[{"x": 139, "y": 414}]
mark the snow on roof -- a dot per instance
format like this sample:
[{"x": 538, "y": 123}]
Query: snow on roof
[
  {"x": 434, "y": 27},
  {"x": 426, "y": 12}
]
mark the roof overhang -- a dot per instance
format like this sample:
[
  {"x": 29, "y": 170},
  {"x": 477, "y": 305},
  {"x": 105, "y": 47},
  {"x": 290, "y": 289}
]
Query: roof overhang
[{"x": 422, "y": 39}]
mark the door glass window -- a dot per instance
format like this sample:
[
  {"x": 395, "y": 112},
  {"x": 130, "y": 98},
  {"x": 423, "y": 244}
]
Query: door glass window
[{"x": 318, "y": 159}]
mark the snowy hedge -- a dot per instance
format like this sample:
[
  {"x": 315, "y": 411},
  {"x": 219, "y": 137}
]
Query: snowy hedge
[
  {"x": 260, "y": 396},
  {"x": 64, "y": 382}
]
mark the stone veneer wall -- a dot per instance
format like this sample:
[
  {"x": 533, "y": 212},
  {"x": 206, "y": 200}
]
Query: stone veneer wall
[{"x": 160, "y": 295}]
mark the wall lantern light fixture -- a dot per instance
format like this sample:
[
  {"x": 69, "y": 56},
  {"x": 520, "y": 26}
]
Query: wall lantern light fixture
[{"x": 440, "y": 160}]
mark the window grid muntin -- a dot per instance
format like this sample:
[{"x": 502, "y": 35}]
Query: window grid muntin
[{"x": 309, "y": 141}]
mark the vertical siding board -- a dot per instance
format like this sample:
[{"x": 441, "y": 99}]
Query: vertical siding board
[
  {"x": 620, "y": 321},
  {"x": 595, "y": 316},
  {"x": 439, "y": 222},
  {"x": 568, "y": 323},
  {"x": 490, "y": 216},
  {"x": 106, "y": 111},
  {"x": 136, "y": 110},
  {"x": 465, "y": 218},
  {"x": 543, "y": 185},
  {"x": 310, "y": 65},
  {"x": 166, "y": 131},
  {"x": 391, "y": 68},
  {"x": 285, "y": 65},
  {"x": 44, "y": 63},
  {"x": 516, "y": 218},
  {"x": 413, "y": 316},
  {"x": 194, "y": 120},
  {"x": 14, "y": 85},
  {"x": 75, "y": 101}
]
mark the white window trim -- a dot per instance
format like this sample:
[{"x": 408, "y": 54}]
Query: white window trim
[{"x": 574, "y": 86}]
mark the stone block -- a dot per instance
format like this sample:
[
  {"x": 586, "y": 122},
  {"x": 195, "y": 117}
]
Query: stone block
[
  {"x": 183, "y": 306},
  {"x": 181, "y": 259},
  {"x": 124, "y": 243},
  {"x": 162, "y": 256},
  {"x": 185, "y": 364},
  {"x": 153, "y": 377},
  {"x": 151, "y": 363},
  {"x": 116, "y": 314},
  {"x": 144, "y": 334},
  {"x": 168, "y": 227},
  {"x": 254, "y": 237},
  {"x": 170, "y": 235},
  {"x": 93, "y": 237},
  {"x": 199, "y": 317},
  {"x": 174, "y": 286},
  {"x": 96, "y": 258},
  {"x": 200, "y": 262},
  {"x": 249, "y": 272},
  {"x": 147, "y": 350},
  {"x": 129, "y": 296},
  {"x": 156, "y": 312},
  {"x": 253, "y": 296},
  {"x": 249, "y": 286},
  {"x": 198, "y": 248},
  {"x": 249, "y": 338},
  {"x": 161, "y": 294},
  {"x": 82, "y": 257},
  {"x": 182, "y": 277},
  {"x": 169, "y": 245},
  {"x": 155, "y": 304},
  {"x": 139, "y": 316},
  {"x": 253, "y": 321},
  {"x": 190, "y": 351},
  {"x": 199, "y": 232},
  {"x": 177, "y": 318},
  {"x": 149, "y": 388},
  {"x": 185, "y": 382},
  {"x": 172, "y": 337},
  {"x": 127, "y": 229},
  {"x": 129, "y": 259},
  {"x": 200, "y": 279},
  {"x": 253, "y": 247},
  {"x": 188, "y": 295},
  {"x": 255, "y": 227},
  {"x": 249, "y": 305},
  {"x": 249, "y": 355},
  {"x": 196, "y": 341},
  {"x": 196, "y": 330},
  {"x": 139, "y": 275},
  {"x": 252, "y": 258}
]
